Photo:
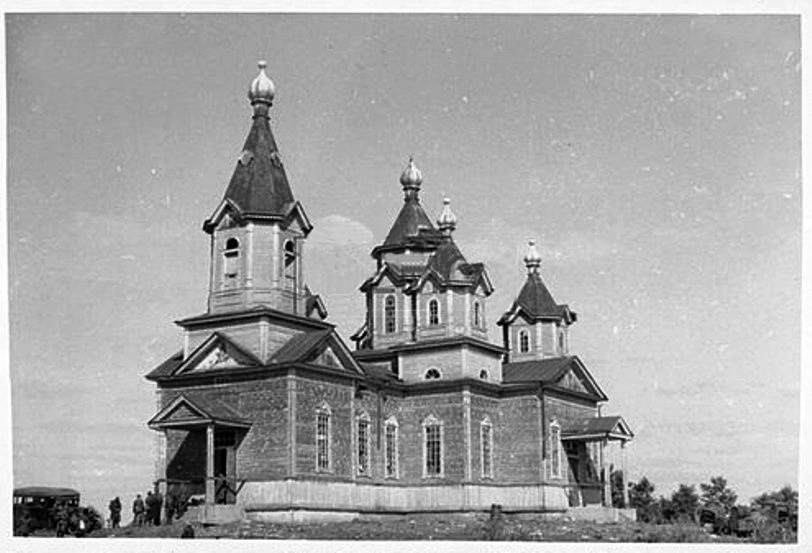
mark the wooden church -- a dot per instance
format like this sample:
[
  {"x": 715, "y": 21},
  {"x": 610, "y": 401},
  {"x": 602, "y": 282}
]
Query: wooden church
[{"x": 265, "y": 407}]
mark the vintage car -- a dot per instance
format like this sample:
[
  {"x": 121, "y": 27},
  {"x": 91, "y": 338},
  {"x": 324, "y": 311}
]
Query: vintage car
[
  {"x": 37, "y": 508},
  {"x": 34, "y": 507}
]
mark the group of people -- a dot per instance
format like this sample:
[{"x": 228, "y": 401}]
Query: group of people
[{"x": 147, "y": 512}]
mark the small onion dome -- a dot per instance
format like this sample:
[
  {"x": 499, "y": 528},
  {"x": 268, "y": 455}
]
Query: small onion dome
[
  {"x": 447, "y": 221},
  {"x": 533, "y": 258},
  {"x": 262, "y": 88},
  {"x": 411, "y": 178}
]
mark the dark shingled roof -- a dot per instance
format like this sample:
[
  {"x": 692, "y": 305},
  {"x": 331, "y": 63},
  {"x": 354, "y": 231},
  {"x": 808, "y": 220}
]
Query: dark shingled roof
[
  {"x": 408, "y": 223},
  {"x": 593, "y": 425},
  {"x": 537, "y": 370},
  {"x": 612, "y": 427},
  {"x": 297, "y": 347},
  {"x": 259, "y": 184},
  {"x": 167, "y": 367},
  {"x": 536, "y": 300}
]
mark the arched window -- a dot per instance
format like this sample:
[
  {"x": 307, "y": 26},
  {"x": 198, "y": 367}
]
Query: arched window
[
  {"x": 231, "y": 257},
  {"x": 483, "y": 374},
  {"x": 486, "y": 447},
  {"x": 389, "y": 324},
  {"x": 290, "y": 264},
  {"x": 434, "y": 312},
  {"x": 432, "y": 447},
  {"x": 524, "y": 341},
  {"x": 477, "y": 314},
  {"x": 391, "y": 447},
  {"x": 363, "y": 444},
  {"x": 555, "y": 450},
  {"x": 433, "y": 374},
  {"x": 323, "y": 444}
]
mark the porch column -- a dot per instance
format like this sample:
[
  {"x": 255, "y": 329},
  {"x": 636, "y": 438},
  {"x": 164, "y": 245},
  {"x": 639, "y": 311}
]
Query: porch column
[
  {"x": 607, "y": 478},
  {"x": 210, "y": 464},
  {"x": 625, "y": 474}
]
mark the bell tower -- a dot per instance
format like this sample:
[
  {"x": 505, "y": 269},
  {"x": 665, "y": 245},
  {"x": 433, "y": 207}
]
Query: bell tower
[{"x": 258, "y": 230}]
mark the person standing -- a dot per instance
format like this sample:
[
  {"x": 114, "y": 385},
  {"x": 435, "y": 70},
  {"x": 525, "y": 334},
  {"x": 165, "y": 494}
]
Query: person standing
[
  {"x": 115, "y": 512},
  {"x": 159, "y": 503},
  {"x": 150, "y": 511},
  {"x": 138, "y": 511}
]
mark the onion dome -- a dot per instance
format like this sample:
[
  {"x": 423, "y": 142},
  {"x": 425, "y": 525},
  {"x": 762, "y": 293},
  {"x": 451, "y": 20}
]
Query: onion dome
[
  {"x": 411, "y": 178},
  {"x": 447, "y": 221},
  {"x": 262, "y": 89},
  {"x": 533, "y": 259}
]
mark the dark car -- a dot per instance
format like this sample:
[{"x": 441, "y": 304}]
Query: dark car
[{"x": 34, "y": 507}]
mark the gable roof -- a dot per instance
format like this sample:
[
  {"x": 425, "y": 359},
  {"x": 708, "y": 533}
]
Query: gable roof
[
  {"x": 197, "y": 411},
  {"x": 536, "y": 302},
  {"x": 550, "y": 371},
  {"x": 610, "y": 427},
  {"x": 176, "y": 365},
  {"x": 299, "y": 346}
]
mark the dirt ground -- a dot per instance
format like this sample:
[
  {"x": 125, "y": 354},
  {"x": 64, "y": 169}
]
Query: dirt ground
[{"x": 434, "y": 527}]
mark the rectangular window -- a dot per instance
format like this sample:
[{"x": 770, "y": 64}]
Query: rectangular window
[
  {"x": 363, "y": 446},
  {"x": 555, "y": 451},
  {"x": 323, "y": 441},
  {"x": 486, "y": 437},
  {"x": 391, "y": 446},
  {"x": 434, "y": 461}
]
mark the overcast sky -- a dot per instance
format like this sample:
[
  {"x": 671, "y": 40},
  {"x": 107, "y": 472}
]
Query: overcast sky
[{"x": 656, "y": 160}]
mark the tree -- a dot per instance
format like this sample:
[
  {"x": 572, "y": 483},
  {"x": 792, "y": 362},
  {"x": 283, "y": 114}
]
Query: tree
[
  {"x": 717, "y": 495},
  {"x": 641, "y": 497},
  {"x": 684, "y": 502},
  {"x": 785, "y": 495},
  {"x": 617, "y": 479}
]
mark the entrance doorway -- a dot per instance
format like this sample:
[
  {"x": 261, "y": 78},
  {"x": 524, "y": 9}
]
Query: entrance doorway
[{"x": 225, "y": 465}]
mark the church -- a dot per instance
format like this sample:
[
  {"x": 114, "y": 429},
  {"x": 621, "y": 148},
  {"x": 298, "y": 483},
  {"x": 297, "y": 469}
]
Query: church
[{"x": 266, "y": 410}]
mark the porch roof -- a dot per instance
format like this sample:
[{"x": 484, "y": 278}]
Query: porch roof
[
  {"x": 185, "y": 414},
  {"x": 595, "y": 429}
]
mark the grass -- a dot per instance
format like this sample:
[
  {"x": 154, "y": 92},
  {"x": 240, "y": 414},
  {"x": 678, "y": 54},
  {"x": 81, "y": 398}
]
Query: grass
[{"x": 471, "y": 527}]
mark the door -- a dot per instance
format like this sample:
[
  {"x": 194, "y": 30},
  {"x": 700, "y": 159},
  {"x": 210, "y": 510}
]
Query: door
[{"x": 225, "y": 465}]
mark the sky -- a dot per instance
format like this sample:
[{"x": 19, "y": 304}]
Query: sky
[{"x": 656, "y": 159}]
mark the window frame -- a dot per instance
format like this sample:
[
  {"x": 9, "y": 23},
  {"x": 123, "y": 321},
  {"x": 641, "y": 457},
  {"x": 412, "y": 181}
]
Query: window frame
[
  {"x": 486, "y": 448},
  {"x": 231, "y": 258},
  {"x": 390, "y": 317},
  {"x": 391, "y": 446},
  {"x": 431, "y": 423},
  {"x": 433, "y": 318},
  {"x": 555, "y": 451},
  {"x": 363, "y": 451},
  {"x": 433, "y": 370},
  {"x": 324, "y": 449},
  {"x": 524, "y": 340},
  {"x": 478, "y": 322}
]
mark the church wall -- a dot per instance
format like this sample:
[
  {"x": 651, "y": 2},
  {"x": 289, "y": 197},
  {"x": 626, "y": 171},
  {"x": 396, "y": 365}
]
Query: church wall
[
  {"x": 474, "y": 360},
  {"x": 411, "y": 414},
  {"x": 514, "y": 460},
  {"x": 413, "y": 365},
  {"x": 310, "y": 396},
  {"x": 263, "y": 451},
  {"x": 566, "y": 413}
]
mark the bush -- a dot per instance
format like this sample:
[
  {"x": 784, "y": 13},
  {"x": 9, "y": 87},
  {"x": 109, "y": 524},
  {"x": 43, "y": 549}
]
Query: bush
[{"x": 673, "y": 533}]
